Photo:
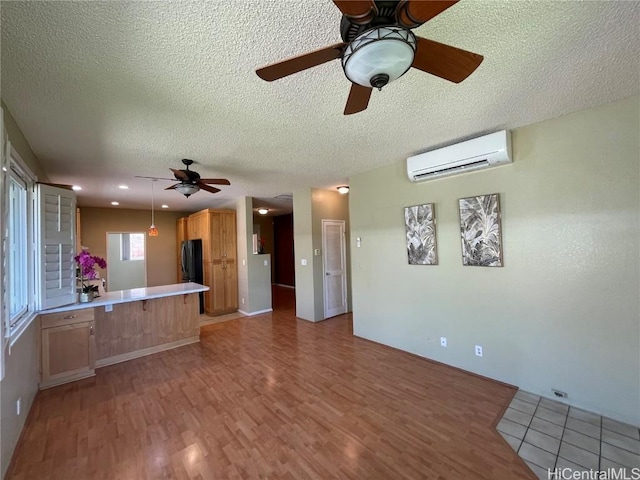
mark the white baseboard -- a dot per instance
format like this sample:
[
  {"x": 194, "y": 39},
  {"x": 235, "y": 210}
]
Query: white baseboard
[{"x": 251, "y": 314}]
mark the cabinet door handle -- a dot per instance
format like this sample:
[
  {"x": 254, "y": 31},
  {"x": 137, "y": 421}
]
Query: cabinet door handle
[
  {"x": 69, "y": 317},
  {"x": 91, "y": 330}
]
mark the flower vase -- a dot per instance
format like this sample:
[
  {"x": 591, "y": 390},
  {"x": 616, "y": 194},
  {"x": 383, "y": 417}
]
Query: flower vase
[{"x": 86, "y": 297}]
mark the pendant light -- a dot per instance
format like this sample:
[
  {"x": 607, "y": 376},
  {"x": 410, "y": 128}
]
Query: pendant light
[{"x": 153, "y": 231}]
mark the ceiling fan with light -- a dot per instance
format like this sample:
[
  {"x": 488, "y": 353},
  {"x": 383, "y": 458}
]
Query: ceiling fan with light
[
  {"x": 378, "y": 47},
  {"x": 190, "y": 181}
]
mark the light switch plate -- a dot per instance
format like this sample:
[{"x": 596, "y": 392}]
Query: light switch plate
[
  {"x": 266, "y": 262},
  {"x": 303, "y": 262}
]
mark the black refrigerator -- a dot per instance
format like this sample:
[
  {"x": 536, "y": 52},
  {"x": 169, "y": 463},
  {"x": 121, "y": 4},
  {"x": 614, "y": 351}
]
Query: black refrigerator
[{"x": 191, "y": 262}]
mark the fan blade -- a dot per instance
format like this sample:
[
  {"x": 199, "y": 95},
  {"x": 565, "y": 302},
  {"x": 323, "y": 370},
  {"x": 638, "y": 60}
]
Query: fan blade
[
  {"x": 358, "y": 99},
  {"x": 445, "y": 61},
  {"x": 216, "y": 181},
  {"x": 172, "y": 187},
  {"x": 208, "y": 188},
  {"x": 156, "y": 178},
  {"x": 180, "y": 174},
  {"x": 412, "y": 13},
  {"x": 359, "y": 12},
  {"x": 302, "y": 62}
]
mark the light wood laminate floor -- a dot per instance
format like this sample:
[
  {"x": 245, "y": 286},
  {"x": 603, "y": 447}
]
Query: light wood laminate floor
[{"x": 271, "y": 396}]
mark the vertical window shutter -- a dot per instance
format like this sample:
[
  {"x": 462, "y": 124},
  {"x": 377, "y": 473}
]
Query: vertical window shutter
[{"x": 56, "y": 213}]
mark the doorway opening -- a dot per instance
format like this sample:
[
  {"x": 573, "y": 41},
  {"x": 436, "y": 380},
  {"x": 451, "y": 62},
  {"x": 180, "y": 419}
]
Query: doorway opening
[{"x": 126, "y": 260}]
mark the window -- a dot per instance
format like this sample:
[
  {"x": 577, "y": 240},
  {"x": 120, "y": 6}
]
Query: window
[
  {"x": 132, "y": 247},
  {"x": 18, "y": 249},
  {"x": 19, "y": 278}
]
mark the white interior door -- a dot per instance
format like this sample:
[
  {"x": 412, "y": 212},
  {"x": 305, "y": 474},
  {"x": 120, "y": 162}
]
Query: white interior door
[{"x": 334, "y": 266}]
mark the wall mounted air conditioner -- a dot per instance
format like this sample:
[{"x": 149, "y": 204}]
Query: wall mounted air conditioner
[{"x": 482, "y": 152}]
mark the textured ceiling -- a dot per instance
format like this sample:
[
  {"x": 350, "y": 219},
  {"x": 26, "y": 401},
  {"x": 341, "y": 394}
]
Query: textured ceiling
[{"x": 105, "y": 91}]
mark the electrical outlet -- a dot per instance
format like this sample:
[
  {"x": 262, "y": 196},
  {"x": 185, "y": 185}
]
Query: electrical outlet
[
  {"x": 479, "y": 350},
  {"x": 108, "y": 308},
  {"x": 559, "y": 394},
  {"x": 266, "y": 263},
  {"x": 242, "y": 300},
  {"x": 18, "y": 405},
  {"x": 443, "y": 341}
]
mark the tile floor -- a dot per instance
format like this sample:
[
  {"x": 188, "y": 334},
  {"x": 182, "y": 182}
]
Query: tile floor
[{"x": 551, "y": 435}]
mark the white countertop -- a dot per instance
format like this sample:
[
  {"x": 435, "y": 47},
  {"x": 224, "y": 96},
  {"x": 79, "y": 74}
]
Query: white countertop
[{"x": 133, "y": 295}]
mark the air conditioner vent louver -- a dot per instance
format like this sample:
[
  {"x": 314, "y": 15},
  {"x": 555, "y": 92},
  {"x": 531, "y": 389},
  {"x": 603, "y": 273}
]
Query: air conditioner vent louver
[
  {"x": 479, "y": 153},
  {"x": 451, "y": 170}
]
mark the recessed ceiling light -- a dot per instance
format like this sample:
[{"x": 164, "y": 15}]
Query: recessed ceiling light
[
  {"x": 76, "y": 187},
  {"x": 165, "y": 206},
  {"x": 123, "y": 187},
  {"x": 115, "y": 203},
  {"x": 343, "y": 189},
  {"x": 263, "y": 211}
]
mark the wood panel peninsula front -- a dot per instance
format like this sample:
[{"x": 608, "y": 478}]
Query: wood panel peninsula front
[{"x": 118, "y": 326}]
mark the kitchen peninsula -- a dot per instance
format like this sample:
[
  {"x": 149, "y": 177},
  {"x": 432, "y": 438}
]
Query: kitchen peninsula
[{"x": 116, "y": 327}]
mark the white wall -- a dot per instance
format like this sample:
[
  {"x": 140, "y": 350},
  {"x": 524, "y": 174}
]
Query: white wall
[
  {"x": 254, "y": 278},
  {"x": 22, "y": 374},
  {"x": 22, "y": 367},
  {"x": 303, "y": 249},
  {"x": 564, "y": 310},
  {"x": 310, "y": 207}
]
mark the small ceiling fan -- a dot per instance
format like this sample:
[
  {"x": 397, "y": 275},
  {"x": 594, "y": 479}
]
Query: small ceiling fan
[
  {"x": 379, "y": 47},
  {"x": 190, "y": 181}
]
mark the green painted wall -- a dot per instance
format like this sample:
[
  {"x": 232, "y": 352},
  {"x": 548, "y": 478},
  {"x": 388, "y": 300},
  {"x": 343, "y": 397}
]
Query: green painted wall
[{"x": 564, "y": 310}]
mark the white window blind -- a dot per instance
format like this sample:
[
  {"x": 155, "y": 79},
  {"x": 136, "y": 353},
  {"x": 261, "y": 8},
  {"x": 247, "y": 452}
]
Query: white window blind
[{"x": 56, "y": 244}]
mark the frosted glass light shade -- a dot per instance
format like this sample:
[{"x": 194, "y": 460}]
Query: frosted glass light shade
[
  {"x": 380, "y": 51},
  {"x": 187, "y": 189}
]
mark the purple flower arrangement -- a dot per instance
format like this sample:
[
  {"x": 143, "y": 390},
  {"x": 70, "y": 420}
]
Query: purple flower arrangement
[{"x": 86, "y": 269}]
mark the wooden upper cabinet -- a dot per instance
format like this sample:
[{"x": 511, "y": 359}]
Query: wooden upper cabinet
[
  {"x": 229, "y": 235},
  {"x": 196, "y": 227},
  {"x": 223, "y": 235}
]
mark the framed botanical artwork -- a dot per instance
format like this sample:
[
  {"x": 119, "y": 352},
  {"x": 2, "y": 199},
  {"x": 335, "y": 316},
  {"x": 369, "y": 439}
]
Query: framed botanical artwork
[
  {"x": 420, "y": 225},
  {"x": 480, "y": 230}
]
